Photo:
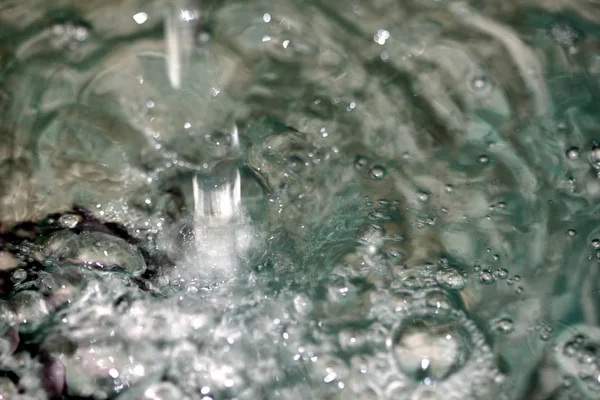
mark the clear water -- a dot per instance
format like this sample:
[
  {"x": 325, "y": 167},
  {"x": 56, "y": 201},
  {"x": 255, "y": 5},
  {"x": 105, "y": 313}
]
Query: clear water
[{"x": 299, "y": 199}]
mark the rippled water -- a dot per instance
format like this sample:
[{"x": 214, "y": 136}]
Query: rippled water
[{"x": 299, "y": 199}]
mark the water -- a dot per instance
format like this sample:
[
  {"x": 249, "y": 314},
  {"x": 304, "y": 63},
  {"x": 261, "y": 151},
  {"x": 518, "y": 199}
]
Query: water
[{"x": 299, "y": 200}]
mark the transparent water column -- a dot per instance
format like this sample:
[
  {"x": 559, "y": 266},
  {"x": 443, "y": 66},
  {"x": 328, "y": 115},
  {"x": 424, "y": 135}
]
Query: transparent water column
[{"x": 216, "y": 185}]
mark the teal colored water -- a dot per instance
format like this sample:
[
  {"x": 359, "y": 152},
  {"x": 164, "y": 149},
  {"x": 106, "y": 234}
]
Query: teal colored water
[{"x": 299, "y": 200}]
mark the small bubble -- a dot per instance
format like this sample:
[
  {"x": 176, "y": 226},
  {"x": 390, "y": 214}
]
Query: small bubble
[
  {"x": 595, "y": 157},
  {"x": 587, "y": 355},
  {"x": 479, "y": 83},
  {"x": 501, "y": 273},
  {"x": 378, "y": 215},
  {"x": 519, "y": 290},
  {"x": 504, "y": 325},
  {"x": 451, "y": 279},
  {"x": 378, "y": 172},
  {"x": 449, "y": 188},
  {"x": 579, "y": 338},
  {"x": 517, "y": 278},
  {"x": 571, "y": 232},
  {"x": 18, "y": 276},
  {"x": 596, "y": 244},
  {"x": 69, "y": 221},
  {"x": 486, "y": 277},
  {"x": 573, "y": 153},
  {"x": 360, "y": 162},
  {"x": 423, "y": 197},
  {"x": 570, "y": 349},
  {"x": 438, "y": 301},
  {"x": 483, "y": 159}
]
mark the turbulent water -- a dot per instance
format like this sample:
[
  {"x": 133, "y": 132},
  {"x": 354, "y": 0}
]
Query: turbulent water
[{"x": 294, "y": 199}]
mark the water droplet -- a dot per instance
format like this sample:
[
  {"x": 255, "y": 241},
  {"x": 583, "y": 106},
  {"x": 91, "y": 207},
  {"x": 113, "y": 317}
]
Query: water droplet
[
  {"x": 486, "y": 277},
  {"x": 483, "y": 159},
  {"x": 378, "y": 172},
  {"x": 573, "y": 153},
  {"x": 504, "y": 325},
  {"x": 430, "y": 347},
  {"x": 69, "y": 221},
  {"x": 571, "y": 232},
  {"x": 449, "y": 188},
  {"x": 450, "y": 278}
]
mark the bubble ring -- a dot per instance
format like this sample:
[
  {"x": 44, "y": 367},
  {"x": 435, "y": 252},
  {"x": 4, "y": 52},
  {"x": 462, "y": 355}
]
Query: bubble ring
[{"x": 477, "y": 376}]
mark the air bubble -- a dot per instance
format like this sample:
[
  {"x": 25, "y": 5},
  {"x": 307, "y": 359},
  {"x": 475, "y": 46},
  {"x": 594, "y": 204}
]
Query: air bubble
[
  {"x": 102, "y": 251},
  {"x": 451, "y": 279},
  {"x": 486, "y": 277},
  {"x": 360, "y": 162},
  {"x": 438, "y": 302},
  {"x": 573, "y": 153},
  {"x": 423, "y": 197},
  {"x": 504, "y": 325},
  {"x": 30, "y": 310},
  {"x": 377, "y": 172},
  {"x": 595, "y": 157},
  {"x": 501, "y": 273},
  {"x": 570, "y": 349},
  {"x": 483, "y": 159},
  {"x": 479, "y": 83},
  {"x": 430, "y": 347},
  {"x": 69, "y": 221},
  {"x": 18, "y": 275}
]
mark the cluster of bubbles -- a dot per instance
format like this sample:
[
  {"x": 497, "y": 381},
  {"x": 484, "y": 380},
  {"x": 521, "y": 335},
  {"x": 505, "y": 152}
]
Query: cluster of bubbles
[{"x": 87, "y": 316}]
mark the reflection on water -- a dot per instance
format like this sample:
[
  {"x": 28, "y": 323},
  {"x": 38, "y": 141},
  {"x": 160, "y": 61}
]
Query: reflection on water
[{"x": 299, "y": 200}]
